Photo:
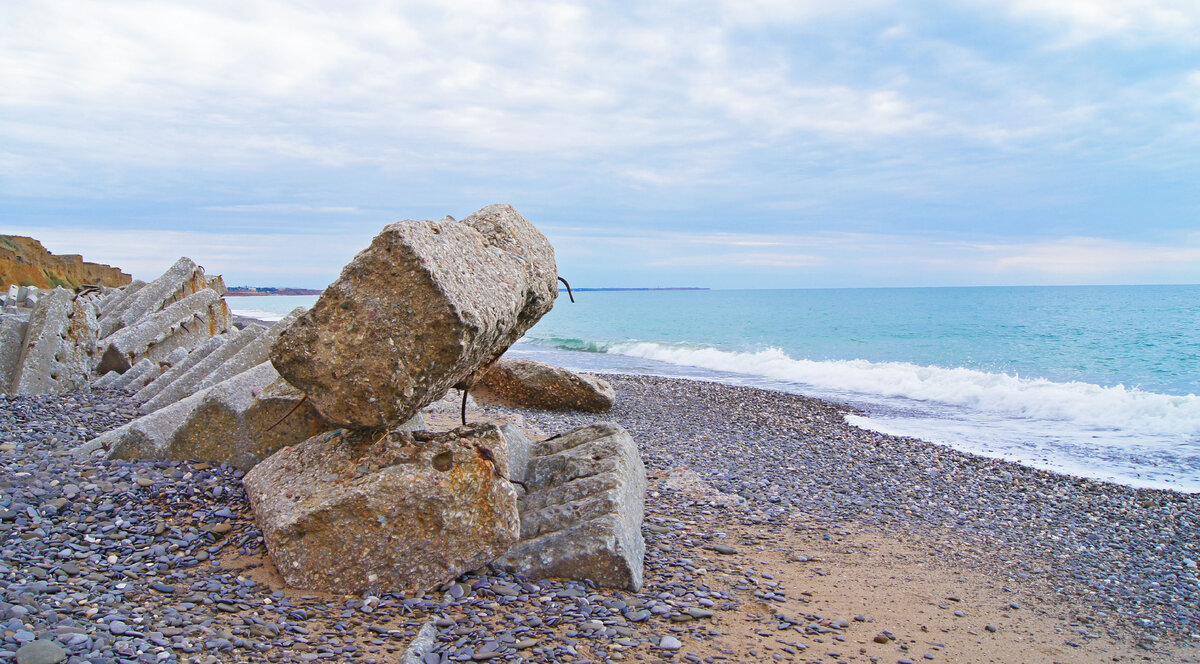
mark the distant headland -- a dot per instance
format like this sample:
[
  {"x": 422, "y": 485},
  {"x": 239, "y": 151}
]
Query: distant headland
[{"x": 269, "y": 290}]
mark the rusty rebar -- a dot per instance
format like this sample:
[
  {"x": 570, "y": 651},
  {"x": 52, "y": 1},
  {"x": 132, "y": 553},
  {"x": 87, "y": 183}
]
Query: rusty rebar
[{"x": 568, "y": 289}]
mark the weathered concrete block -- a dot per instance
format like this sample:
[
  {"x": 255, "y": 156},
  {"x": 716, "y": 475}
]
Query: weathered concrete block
[
  {"x": 582, "y": 516},
  {"x": 179, "y": 281},
  {"x": 13, "y": 327},
  {"x": 252, "y": 354},
  {"x": 187, "y": 384},
  {"x": 184, "y": 324},
  {"x": 116, "y": 304},
  {"x": 231, "y": 422},
  {"x": 178, "y": 369},
  {"x": 107, "y": 379},
  {"x": 137, "y": 376},
  {"x": 419, "y": 311},
  {"x": 59, "y": 344},
  {"x": 520, "y": 383},
  {"x": 356, "y": 511}
]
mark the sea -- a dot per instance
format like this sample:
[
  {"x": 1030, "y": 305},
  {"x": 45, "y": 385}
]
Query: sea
[{"x": 1092, "y": 381}]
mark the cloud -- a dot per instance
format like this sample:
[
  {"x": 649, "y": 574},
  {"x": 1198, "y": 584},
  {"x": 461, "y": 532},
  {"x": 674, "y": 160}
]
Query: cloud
[{"x": 1136, "y": 22}]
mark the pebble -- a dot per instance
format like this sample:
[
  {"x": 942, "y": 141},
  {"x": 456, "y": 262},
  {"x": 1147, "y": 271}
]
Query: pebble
[
  {"x": 669, "y": 642},
  {"x": 40, "y": 652}
]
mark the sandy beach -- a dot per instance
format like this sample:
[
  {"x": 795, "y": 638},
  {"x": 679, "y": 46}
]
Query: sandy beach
[{"x": 774, "y": 531}]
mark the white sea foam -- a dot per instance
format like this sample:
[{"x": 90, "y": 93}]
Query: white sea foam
[
  {"x": 251, "y": 312},
  {"x": 1115, "y": 408}
]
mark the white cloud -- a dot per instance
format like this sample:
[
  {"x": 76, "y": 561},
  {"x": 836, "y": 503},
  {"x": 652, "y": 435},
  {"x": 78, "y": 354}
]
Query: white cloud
[{"x": 1133, "y": 21}]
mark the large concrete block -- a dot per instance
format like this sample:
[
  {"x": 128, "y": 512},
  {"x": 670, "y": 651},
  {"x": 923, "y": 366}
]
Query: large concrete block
[
  {"x": 353, "y": 511},
  {"x": 417, "y": 312},
  {"x": 582, "y": 515},
  {"x": 239, "y": 422},
  {"x": 118, "y": 303},
  {"x": 184, "y": 324},
  {"x": 59, "y": 344},
  {"x": 523, "y": 383},
  {"x": 187, "y": 384},
  {"x": 13, "y": 327},
  {"x": 179, "y": 281}
]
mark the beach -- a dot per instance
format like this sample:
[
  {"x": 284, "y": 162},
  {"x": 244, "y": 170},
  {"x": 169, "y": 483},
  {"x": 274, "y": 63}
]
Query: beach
[{"x": 774, "y": 531}]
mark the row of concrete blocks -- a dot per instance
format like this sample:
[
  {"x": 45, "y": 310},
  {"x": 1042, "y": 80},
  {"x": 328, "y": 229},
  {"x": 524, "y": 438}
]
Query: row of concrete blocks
[{"x": 63, "y": 339}]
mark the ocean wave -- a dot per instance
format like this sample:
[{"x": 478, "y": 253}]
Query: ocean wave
[{"x": 1084, "y": 404}]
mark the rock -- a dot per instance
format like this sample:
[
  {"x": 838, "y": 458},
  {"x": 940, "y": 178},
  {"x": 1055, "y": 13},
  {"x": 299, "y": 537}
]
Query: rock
[
  {"x": 669, "y": 643},
  {"x": 252, "y": 354},
  {"x": 519, "y": 449},
  {"x": 184, "y": 324},
  {"x": 582, "y": 517},
  {"x": 417, "y": 312},
  {"x": 186, "y": 384},
  {"x": 533, "y": 384},
  {"x": 40, "y": 651},
  {"x": 229, "y": 423},
  {"x": 688, "y": 482},
  {"x": 421, "y": 644},
  {"x": 355, "y": 510},
  {"x": 59, "y": 343}
]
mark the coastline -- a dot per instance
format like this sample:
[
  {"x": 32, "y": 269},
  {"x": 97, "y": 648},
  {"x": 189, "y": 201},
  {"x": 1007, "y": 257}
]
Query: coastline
[{"x": 825, "y": 521}]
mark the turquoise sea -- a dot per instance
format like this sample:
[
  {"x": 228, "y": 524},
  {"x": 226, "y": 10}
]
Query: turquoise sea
[{"x": 1093, "y": 381}]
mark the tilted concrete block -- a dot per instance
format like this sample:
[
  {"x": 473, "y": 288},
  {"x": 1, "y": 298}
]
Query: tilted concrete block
[
  {"x": 184, "y": 324},
  {"x": 59, "y": 345},
  {"x": 116, "y": 305},
  {"x": 137, "y": 376},
  {"x": 238, "y": 422},
  {"x": 189, "y": 382},
  {"x": 252, "y": 354},
  {"x": 582, "y": 515},
  {"x": 180, "y": 368},
  {"x": 418, "y": 312},
  {"x": 13, "y": 327}
]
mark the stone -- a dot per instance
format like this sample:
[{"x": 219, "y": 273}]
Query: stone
[
  {"x": 59, "y": 344},
  {"x": 252, "y": 354},
  {"x": 689, "y": 483},
  {"x": 41, "y": 651},
  {"x": 184, "y": 324},
  {"x": 233, "y": 422},
  {"x": 353, "y": 511},
  {"x": 13, "y": 326},
  {"x": 523, "y": 383},
  {"x": 422, "y": 643},
  {"x": 422, "y": 309},
  {"x": 186, "y": 384},
  {"x": 178, "y": 369},
  {"x": 582, "y": 516}
]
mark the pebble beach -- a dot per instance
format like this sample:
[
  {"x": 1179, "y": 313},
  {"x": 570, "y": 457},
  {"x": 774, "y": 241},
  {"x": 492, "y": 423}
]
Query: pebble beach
[{"x": 774, "y": 532}]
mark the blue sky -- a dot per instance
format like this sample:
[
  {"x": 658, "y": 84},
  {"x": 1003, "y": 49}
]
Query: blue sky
[{"x": 750, "y": 143}]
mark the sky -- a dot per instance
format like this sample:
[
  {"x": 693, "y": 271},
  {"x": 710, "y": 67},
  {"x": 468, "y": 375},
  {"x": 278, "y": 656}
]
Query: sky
[{"x": 740, "y": 144}]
